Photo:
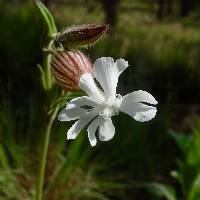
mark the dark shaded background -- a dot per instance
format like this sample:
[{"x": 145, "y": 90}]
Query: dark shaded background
[{"x": 161, "y": 41}]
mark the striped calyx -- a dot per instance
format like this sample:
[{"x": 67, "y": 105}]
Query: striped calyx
[{"x": 67, "y": 68}]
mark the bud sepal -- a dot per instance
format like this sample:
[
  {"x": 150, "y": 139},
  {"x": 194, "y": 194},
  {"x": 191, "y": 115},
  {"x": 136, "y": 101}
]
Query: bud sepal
[
  {"x": 67, "y": 68},
  {"x": 81, "y": 36}
]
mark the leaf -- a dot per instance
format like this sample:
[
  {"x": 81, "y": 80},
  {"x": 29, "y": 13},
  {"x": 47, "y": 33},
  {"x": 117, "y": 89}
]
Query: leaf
[
  {"x": 194, "y": 193},
  {"x": 48, "y": 18},
  {"x": 193, "y": 156},
  {"x": 162, "y": 190},
  {"x": 63, "y": 99},
  {"x": 195, "y": 149},
  {"x": 73, "y": 154},
  {"x": 95, "y": 195},
  {"x": 175, "y": 174},
  {"x": 42, "y": 74},
  {"x": 3, "y": 159},
  {"x": 184, "y": 142}
]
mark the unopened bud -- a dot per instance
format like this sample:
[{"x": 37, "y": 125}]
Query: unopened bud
[
  {"x": 80, "y": 36},
  {"x": 67, "y": 68}
]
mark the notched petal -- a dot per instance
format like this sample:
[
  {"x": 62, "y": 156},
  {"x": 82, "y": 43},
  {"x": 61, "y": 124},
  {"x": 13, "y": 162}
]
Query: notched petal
[
  {"x": 72, "y": 113},
  {"x": 145, "y": 115},
  {"x": 139, "y": 96},
  {"x": 140, "y": 105},
  {"x": 106, "y": 73},
  {"x": 121, "y": 65}
]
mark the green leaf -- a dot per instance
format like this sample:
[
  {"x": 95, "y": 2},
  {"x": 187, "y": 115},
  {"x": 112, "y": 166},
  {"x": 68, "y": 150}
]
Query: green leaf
[
  {"x": 73, "y": 154},
  {"x": 194, "y": 193},
  {"x": 48, "y": 18},
  {"x": 3, "y": 158},
  {"x": 162, "y": 190},
  {"x": 42, "y": 75},
  {"x": 193, "y": 156},
  {"x": 184, "y": 142},
  {"x": 175, "y": 174}
]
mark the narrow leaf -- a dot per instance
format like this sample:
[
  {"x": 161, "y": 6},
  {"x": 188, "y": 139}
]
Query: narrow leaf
[
  {"x": 48, "y": 18},
  {"x": 184, "y": 142},
  {"x": 162, "y": 190},
  {"x": 42, "y": 75},
  {"x": 3, "y": 158},
  {"x": 195, "y": 192}
]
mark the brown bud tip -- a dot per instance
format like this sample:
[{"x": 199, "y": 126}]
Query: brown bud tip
[
  {"x": 80, "y": 36},
  {"x": 67, "y": 68}
]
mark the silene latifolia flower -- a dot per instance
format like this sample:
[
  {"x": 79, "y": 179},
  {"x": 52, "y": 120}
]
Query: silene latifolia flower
[{"x": 101, "y": 105}]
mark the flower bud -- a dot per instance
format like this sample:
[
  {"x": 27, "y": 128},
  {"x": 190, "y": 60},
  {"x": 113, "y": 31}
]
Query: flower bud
[
  {"x": 80, "y": 36},
  {"x": 67, "y": 68}
]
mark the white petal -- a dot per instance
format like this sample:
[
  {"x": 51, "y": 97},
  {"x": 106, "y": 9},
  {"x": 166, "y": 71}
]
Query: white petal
[
  {"x": 121, "y": 65},
  {"x": 139, "y": 111},
  {"x": 80, "y": 124},
  {"x": 87, "y": 84},
  {"x": 84, "y": 101},
  {"x": 133, "y": 105},
  {"x": 106, "y": 130},
  {"x": 107, "y": 71},
  {"x": 133, "y": 108},
  {"x": 139, "y": 96},
  {"x": 72, "y": 113},
  {"x": 145, "y": 115},
  {"x": 92, "y": 130}
]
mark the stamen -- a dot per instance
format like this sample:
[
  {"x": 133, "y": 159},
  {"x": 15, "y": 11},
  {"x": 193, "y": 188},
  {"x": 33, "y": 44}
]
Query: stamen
[{"x": 118, "y": 97}]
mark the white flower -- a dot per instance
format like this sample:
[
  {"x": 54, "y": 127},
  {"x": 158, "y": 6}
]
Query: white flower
[{"x": 99, "y": 106}]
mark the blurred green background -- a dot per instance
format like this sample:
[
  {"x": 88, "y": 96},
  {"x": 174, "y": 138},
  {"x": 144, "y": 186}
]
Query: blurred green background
[{"x": 155, "y": 160}]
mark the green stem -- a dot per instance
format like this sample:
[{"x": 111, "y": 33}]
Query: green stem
[
  {"x": 43, "y": 156},
  {"x": 47, "y": 65}
]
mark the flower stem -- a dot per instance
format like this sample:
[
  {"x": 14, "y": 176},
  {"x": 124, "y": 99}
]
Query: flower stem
[
  {"x": 43, "y": 156},
  {"x": 47, "y": 63},
  {"x": 47, "y": 57}
]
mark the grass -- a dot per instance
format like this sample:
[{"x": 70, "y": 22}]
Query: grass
[{"x": 164, "y": 60}]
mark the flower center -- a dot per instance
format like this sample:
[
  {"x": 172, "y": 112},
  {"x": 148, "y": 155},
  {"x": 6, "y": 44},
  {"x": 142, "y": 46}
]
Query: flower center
[{"x": 110, "y": 106}]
